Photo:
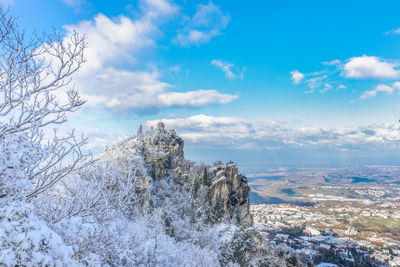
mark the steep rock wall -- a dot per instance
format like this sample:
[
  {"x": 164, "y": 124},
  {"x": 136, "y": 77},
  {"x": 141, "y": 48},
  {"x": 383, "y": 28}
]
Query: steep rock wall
[{"x": 230, "y": 191}]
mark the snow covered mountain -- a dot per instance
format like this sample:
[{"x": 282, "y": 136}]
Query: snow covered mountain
[
  {"x": 195, "y": 199},
  {"x": 141, "y": 203}
]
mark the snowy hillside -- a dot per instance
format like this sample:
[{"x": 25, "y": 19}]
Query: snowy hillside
[{"x": 140, "y": 204}]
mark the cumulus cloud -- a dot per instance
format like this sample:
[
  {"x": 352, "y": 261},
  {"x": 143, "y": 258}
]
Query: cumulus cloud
[
  {"x": 112, "y": 41},
  {"x": 143, "y": 92},
  {"x": 297, "y": 76},
  {"x": 369, "y": 67},
  {"x": 227, "y": 69},
  {"x": 207, "y": 22},
  {"x": 112, "y": 76},
  {"x": 200, "y": 128},
  {"x": 238, "y": 133},
  {"x": 336, "y": 72},
  {"x": 381, "y": 88}
]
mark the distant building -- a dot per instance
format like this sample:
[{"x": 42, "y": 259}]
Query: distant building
[{"x": 311, "y": 231}]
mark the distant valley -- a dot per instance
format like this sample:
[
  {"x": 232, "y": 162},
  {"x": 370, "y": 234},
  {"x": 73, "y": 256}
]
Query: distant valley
[
  {"x": 343, "y": 216},
  {"x": 297, "y": 185}
]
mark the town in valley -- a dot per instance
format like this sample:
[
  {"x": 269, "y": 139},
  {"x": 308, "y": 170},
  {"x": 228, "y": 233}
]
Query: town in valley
[{"x": 339, "y": 216}]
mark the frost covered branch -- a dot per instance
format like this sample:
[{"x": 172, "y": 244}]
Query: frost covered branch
[{"x": 36, "y": 91}]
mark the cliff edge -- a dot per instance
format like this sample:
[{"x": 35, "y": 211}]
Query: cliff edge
[{"x": 192, "y": 199}]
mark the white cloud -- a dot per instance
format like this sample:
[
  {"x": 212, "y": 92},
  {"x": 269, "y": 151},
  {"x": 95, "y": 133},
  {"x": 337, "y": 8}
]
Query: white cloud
[
  {"x": 157, "y": 8},
  {"x": 326, "y": 88},
  {"x": 76, "y": 4},
  {"x": 207, "y": 22},
  {"x": 297, "y": 76},
  {"x": 201, "y": 127},
  {"x": 237, "y": 133},
  {"x": 336, "y": 72},
  {"x": 176, "y": 68},
  {"x": 316, "y": 82},
  {"x": 113, "y": 41},
  {"x": 226, "y": 68},
  {"x": 394, "y": 31},
  {"x": 112, "y": 76},
  {"x": 99, "y": 138},
  {"x": 369, "y": 67},
  {"x": 381, "y": 88},
  {"x": 196, "y": 98},
  {"x": 202, "y": 123},
  {"x": 332, "y": 63},
  {"x": 143, "y": 92}
]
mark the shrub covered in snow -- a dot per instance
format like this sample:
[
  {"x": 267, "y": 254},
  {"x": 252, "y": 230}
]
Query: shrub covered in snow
[
  {"x": 24, "y": 238},
  {"x": 28, "y": 164}
]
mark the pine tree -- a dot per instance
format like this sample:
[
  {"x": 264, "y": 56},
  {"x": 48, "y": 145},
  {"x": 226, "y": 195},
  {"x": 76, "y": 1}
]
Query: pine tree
[
  {"x": 205, "y": 178},
  {"x": 217, "y": 209},
  {"x": 195, "y": 188},
  {"x": 192, "y": 211}
]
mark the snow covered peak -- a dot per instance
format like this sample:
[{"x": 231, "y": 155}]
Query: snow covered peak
[
  {"x": 159, "y": 139},
  {"x": 159, "y": 150}
]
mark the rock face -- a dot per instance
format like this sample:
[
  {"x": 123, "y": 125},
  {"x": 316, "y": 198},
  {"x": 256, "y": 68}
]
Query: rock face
[
  {"x": 196, "y": 196},
  {"x": 230, "y": 191},
  {"x": 162, "y": 150}
]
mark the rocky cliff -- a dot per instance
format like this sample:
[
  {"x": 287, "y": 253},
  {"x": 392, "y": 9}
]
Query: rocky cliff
[
  {"x": 162, "y": 150},
  {"x": 193, "y": 197},
  {"x": 230, "y": 191}
]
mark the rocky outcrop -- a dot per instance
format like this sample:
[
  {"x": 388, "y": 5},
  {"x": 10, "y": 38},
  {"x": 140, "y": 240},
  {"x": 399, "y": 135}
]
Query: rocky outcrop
[
  {"x": 162, "y": 153},
  {"x": 162, "y": 150},
  {"x": 196, "y": 196},
  {"x": 230, "y": 192}
]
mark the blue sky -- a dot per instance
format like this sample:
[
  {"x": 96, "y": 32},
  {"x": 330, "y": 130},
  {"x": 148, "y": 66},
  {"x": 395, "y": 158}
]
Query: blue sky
[{"x": 262, "y": 83}]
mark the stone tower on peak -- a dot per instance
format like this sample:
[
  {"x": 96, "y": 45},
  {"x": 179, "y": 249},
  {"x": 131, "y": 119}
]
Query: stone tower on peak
[
  {"x": 139, "y": 133},
  {"x": 161, "y": 126}
]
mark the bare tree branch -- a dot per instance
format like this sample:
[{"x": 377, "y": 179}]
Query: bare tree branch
[{"x": 32, "y": 74}]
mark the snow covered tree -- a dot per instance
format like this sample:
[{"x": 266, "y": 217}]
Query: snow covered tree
[
  {"x": 205, "y": 178},
  {"x": 195, "y": 188},
  {"x": 140, "y": 132},
  {"x": 32, "y": 72},
  {"x": 217, "y": 209}
]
